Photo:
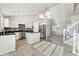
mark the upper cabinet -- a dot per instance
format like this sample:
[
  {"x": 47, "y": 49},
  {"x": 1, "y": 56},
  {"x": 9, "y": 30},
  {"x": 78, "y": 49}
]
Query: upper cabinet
[
  {"x": 6, "y": 22},
  {"x": 1, "y": 21},
  {"x": 36, "y": 27}
]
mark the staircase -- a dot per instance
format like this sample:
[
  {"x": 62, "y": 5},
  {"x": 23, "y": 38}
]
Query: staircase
[{"x": 71, "y": 35}]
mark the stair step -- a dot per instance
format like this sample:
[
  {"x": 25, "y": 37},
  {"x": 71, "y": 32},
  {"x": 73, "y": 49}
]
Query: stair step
[{"x": 69, "y": 42}]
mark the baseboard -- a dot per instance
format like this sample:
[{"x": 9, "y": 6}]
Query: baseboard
[{"x": 4, "y": 52}]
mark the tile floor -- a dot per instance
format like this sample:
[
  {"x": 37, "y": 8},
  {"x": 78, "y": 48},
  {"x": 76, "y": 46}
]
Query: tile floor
[{"x": 49, "y": 49}]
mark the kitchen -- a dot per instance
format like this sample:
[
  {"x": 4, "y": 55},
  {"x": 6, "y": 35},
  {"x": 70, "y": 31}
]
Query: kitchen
[{"x": 18, "y": 25}]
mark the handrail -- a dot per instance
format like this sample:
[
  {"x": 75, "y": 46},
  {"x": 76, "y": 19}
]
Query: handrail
[
  {"x": 72, "y": 25},
  {"x": 68, "y": 28}
]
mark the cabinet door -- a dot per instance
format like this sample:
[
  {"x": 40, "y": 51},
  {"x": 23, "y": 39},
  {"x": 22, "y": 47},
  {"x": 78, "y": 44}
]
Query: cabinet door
[
  {"x": 35, "y": 37},
  {"x": 17, "y": 36},
  {"x": 7, "y": 44},
  {"x": 6, "y": 22},
  {"x": 36, "y": 27}
]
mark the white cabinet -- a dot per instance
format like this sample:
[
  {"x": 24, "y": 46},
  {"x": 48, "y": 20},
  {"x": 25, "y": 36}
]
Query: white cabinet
[
  {"x": 7, "y": 44},
  {"x": 32, "y": 37},
  {"x": 36, "y": 27},
  {"x": 17, "y": 35},
  {"x": 6, "y": 22}
]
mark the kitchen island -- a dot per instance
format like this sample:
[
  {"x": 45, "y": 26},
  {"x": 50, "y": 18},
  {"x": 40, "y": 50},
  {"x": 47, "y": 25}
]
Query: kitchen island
[
  {"x": 8, "y": 39},
  {"x": 32, "y": 37}
]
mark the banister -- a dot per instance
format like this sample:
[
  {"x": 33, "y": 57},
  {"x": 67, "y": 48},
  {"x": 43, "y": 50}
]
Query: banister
[{"x": 72, "y": 25}]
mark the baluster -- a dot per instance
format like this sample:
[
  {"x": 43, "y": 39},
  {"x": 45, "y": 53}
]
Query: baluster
[
  {"x": 77, "y": 40},
  {"x": 78, "y": 44},
  {"x": 74, "y": 42},
  {"x": 64, "y": 35}
]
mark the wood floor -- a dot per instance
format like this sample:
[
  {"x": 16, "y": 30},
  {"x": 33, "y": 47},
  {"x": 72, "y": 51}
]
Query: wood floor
[{"x": 24, "y": 49}]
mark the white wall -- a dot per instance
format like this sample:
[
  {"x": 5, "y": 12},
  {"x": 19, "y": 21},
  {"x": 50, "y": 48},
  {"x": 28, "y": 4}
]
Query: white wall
[
  {"x": 27, "y": 20},
  {"x": 61, "y": 13},
  {"x": 61, "y": 16}
]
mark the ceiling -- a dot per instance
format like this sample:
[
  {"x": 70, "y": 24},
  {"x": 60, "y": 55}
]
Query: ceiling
[{"x": 14, "y": 9}]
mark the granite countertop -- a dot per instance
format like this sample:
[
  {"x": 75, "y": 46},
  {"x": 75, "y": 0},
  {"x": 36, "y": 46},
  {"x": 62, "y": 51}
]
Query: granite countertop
[
  {"x": 6, "y": 34},
  {"x": 11, "y": 32},
  {"x": 23, "y": 31},
  {"x": 33, "y": 32},
  {"x": 15, "y": 31}
]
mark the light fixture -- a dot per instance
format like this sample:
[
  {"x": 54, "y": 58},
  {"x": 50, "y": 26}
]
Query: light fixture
[
  {"x": 47, "y": 13},
  {"x": 41, "y": 16}
]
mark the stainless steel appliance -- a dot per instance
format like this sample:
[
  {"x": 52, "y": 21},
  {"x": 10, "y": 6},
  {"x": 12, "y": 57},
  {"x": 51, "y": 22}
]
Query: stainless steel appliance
[
  {"x": 43, "y": 31},
  {"x": 21, "y": 29}
]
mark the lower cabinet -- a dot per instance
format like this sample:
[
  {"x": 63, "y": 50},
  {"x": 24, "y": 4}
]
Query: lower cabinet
[
  {"x": 33, "y": 37},
  {"x": 17, "y": 35},
  {"x": 7, "y": 44}
]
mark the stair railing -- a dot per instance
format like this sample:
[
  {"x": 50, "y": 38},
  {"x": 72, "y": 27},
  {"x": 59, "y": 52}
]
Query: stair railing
[
  {"x": 70, "y": 29},
  {"x": 74, "y": 29}
]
